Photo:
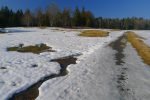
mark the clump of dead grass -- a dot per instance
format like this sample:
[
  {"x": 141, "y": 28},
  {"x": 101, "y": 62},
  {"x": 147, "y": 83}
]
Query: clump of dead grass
[
  {"x": 115, "y": 30},
  {"x": 142, "y": 49},
  {"x": 94, "y": 33},
  {"x": 33, "y": 49}
]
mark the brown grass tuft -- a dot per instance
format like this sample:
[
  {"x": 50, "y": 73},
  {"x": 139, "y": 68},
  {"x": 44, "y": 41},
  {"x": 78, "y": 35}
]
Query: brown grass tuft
[
  {"x": 33, "y": 49},
  {"x": 115, "y": 30},
  {"x": 94, "y": 33},
  {"x": 142, "y": 49}
]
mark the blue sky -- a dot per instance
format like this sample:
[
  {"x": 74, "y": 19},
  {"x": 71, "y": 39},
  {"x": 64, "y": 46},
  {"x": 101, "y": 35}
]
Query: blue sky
[{"x": 104, "y": 8}]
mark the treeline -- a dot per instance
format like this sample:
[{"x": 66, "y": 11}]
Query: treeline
[
  {"x": 124, "y": 23},
  {"x": 53, "y": 16}
]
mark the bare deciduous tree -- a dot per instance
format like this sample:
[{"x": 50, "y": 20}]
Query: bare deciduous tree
[
  {"x": 66, "y": 17},
  {"x": 27, "y": 18},
  {"x": 39, "y": 16},
  {"x": 52, "y": 10}
]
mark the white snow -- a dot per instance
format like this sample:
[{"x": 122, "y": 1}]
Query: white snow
[
  {"x": 20, "y": 74},
  {"x": 92, "y": 78},
  {"x": 138, "y": 75},
  {"x": 89, "y": 79},
  {"x": 95, "y": 78},
  {"x": 145, "y": 35}
]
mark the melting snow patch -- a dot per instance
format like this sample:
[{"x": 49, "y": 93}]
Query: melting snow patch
[{"x": 20, "y": 70}]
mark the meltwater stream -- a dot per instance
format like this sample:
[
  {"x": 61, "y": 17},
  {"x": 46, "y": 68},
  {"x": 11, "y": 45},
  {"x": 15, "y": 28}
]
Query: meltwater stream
[{"x": 32, "y": 92}]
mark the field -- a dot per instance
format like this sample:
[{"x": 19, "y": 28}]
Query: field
[{"x": 74, "y": 64}]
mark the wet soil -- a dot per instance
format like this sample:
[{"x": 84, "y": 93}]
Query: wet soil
[{"x": 121, "y": 79}]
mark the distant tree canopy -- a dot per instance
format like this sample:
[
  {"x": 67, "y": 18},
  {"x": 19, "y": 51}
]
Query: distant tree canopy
[
  {"x": 54, "y": 17},
  {"x": 8, "y": 18}
]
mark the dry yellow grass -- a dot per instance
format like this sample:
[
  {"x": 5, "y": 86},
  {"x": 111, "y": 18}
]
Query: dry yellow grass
[
  {"x": 94, "y": 33},
  {"x": 115, "y": 30},
  {"x": 142, "y": 49},
  {"x": 34, "y": 49}
]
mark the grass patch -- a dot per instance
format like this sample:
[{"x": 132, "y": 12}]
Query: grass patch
[
  {"x": 115, "y": 30},
  {"x": 94, "y": 33},
  {"x": 39, "y": 48},
  {"x": 142, "y": 49}
]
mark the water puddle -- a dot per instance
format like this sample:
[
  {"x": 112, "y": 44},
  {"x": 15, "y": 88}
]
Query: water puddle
[
  {"x": 38, "y": 48},
  {"x": 2, "y": 31},
  {"x": 5, "y": 30},
  {"x": 3, "y": 68},
  {"x": 64, "y": 62},
  {"x": 32, "y": 92}
]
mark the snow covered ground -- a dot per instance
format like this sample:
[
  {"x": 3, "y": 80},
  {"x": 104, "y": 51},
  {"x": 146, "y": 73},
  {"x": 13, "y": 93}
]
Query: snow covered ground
[
  {"x": 16, "y": 69},
  {"x": 94, "y": 77},
  {"x": 137, "y": 75},
  {"x": 145, "y": 35}
]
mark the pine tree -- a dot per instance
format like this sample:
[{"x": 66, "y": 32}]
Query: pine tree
[{"x": 77, "y": 17}]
